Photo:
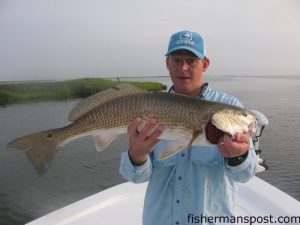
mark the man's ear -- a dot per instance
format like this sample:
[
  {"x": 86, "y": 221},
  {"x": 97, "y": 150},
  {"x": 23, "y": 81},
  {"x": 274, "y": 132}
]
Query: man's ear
[
  {"x": 167, "y": 62},
  {"x": 205, "y": 64}
]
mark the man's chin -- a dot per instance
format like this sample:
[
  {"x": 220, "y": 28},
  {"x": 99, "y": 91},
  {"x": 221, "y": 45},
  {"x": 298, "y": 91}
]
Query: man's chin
[{"x": 183, "y": 91}]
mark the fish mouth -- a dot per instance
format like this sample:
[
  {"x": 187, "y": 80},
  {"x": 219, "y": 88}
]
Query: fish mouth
[{"x": 252, "y": 128}]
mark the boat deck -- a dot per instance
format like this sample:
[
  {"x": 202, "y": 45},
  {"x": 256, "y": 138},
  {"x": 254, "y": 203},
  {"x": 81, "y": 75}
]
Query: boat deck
[{"x": 123, "y": 204}]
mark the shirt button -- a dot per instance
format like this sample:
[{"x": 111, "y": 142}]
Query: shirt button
[
  {"x": 182, "y": 154},
  {"x": 177, "y": 201},
  {"x": 179, "y": 178},
  {"x": 177, "y": 222}
]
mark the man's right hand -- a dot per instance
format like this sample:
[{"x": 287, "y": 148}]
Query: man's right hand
[{"x": 142, "y": 142}]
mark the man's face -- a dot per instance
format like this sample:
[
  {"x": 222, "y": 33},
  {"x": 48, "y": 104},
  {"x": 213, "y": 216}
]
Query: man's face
[{"x": 186, "y": 72}]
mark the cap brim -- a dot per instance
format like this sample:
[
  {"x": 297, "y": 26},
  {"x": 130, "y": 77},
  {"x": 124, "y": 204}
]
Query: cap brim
[{"x": 199, "y": 54}]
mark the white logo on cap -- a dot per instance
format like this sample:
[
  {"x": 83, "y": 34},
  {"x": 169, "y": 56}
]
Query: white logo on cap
[{"x": 186, "y": 36}]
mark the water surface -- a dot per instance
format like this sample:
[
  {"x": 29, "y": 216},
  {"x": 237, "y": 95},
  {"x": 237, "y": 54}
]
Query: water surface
[{"x": 79, "y": 170}]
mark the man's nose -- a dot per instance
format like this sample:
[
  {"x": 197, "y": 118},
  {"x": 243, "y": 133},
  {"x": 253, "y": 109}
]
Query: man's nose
[{"x": 184, "y": 65}]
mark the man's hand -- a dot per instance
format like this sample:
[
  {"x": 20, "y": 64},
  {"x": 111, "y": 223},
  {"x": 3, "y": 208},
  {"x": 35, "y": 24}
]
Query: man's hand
[
  {"x": 142, "y": 142},
  {"x": 234, "y": 147}
]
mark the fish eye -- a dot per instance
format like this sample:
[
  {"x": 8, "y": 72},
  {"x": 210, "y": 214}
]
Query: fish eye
[{"x": 244, "y": 114}]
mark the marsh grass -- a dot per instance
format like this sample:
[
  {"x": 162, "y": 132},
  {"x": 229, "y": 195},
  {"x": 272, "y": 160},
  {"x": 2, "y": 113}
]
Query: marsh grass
[{"x": 59, "y": 90}]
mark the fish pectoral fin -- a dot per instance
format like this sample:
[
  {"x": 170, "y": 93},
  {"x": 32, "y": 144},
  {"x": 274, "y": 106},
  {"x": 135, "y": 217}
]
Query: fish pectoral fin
[
  {"x": 196, "y": 134},
  {"x": 103, "y": 140},
  {"x": 171, "y": 149},
  {"x": 201, "y": 140}
]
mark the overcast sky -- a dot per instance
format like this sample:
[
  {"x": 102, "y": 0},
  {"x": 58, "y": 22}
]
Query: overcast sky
[{"x": 62, "y": 39}]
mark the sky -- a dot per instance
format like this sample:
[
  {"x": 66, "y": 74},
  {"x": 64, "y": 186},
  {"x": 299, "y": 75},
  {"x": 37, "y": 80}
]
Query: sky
[{"x": 67, "y": 39}]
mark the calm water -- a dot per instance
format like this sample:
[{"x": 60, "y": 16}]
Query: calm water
[{"x": 79, "y": 170}]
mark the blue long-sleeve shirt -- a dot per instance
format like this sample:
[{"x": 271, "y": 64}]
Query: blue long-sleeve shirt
[{"x": 195, "y": 182}]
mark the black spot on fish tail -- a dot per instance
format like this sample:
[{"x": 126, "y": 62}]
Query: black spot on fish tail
[{"x": 49, "y": 135}]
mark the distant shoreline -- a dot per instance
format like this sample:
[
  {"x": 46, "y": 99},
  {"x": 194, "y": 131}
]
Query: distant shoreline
[
  {"x": 28, "y": 91},
  {"x": 123, "y": 78}
]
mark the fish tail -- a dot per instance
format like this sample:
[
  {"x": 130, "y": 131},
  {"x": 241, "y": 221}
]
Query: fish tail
[{"x": 40, "y": 148}]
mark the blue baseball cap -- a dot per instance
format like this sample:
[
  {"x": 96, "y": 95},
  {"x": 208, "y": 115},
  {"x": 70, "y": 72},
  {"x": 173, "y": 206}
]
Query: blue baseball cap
[{"x": 187, "y": 40}]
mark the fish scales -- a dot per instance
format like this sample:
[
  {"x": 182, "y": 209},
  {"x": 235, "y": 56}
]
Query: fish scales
[
  {"x": 170, "y": 109},
  {"x": 106, "y": 118}
]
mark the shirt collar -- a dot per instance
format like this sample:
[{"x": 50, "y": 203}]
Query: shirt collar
[{"x": 204, "y": 90}]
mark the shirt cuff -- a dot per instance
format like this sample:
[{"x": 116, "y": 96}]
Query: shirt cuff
[
  {"x": 241, "y": 166},
  {"x": 138, "y": 168},
  {"x": 235, "y": 161}
]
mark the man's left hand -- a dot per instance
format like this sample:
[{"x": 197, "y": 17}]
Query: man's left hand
[{"x": 234, "y": 147}]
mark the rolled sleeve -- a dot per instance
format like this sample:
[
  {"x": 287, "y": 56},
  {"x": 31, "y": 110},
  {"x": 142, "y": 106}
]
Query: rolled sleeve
[{"x": 135, "y": 174}]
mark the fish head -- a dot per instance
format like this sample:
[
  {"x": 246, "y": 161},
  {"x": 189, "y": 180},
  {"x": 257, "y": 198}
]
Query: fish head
[{"x": 233, "y": 120}]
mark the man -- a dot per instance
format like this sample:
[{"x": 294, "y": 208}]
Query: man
[{"x": 199, "y": 182}]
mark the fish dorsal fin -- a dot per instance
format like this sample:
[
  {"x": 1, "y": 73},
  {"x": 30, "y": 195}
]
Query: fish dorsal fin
[{"x": 102, "y": 97}]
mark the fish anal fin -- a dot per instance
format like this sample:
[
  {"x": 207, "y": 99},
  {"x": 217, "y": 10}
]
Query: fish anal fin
[
  {"x": 104, "y": 139},
  {"x": 171, "y": 149}
]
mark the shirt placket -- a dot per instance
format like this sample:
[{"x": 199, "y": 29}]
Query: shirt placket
[{"x": 178, "y": 195}]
